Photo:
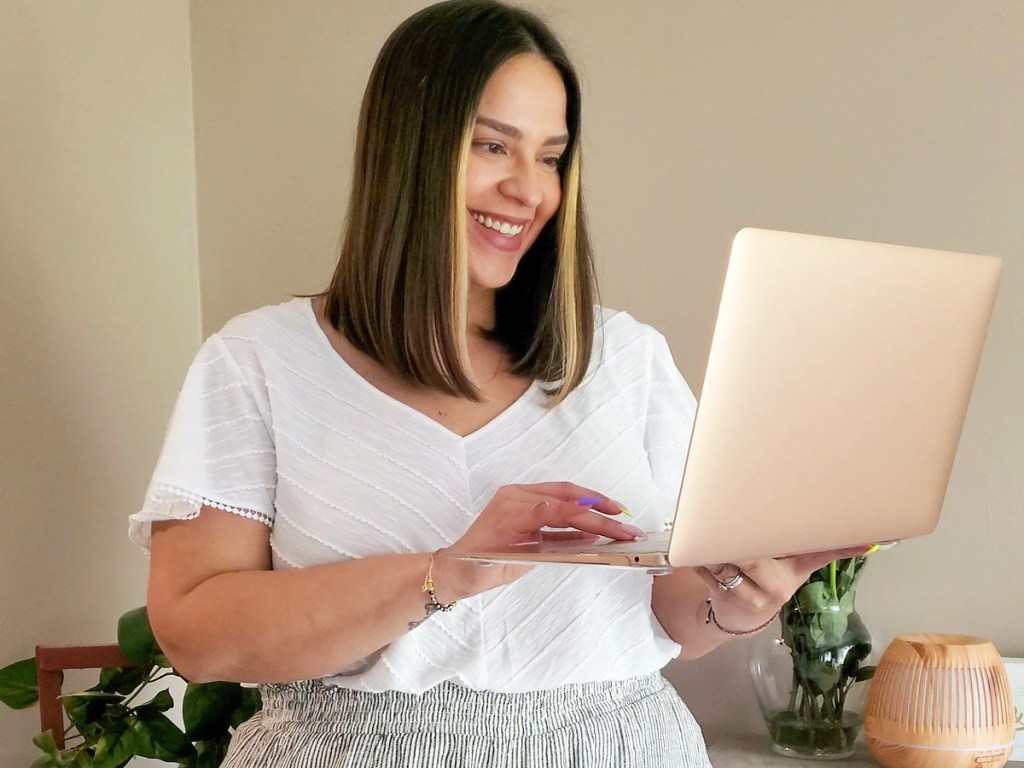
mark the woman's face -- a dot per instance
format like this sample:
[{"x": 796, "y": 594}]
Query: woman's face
[{"x": 513, "y": 186}]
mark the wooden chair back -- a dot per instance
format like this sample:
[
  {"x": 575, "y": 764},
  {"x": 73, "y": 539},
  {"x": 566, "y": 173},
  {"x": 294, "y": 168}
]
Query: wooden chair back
[{"x": 51, "y": 661}]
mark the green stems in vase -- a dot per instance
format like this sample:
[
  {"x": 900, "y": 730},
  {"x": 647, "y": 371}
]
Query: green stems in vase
[{"x": 821, "y": 660}]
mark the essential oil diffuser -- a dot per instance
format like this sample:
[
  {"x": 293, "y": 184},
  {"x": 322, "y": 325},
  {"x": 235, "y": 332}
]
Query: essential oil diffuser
[{"x": 940, "y": 701}]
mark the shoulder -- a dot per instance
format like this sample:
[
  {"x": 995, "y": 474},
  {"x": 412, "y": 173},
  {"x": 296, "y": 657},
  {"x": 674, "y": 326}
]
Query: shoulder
[
  {"x": 270, "y": 324},
  {"x": 283, "y": 331},
  {"x": 260, "y": 345},
  {"x": 629, "y": 350},
  {"x": 621, "y": 334}
]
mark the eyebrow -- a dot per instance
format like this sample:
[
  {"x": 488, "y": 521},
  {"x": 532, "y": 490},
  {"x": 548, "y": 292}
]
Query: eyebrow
[{"x": 514, "y": 133}]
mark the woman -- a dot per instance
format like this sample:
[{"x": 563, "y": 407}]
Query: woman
[{"x": 453, "y": 389}]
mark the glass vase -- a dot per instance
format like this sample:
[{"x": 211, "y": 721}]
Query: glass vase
[{"x": 811, "y": 676}]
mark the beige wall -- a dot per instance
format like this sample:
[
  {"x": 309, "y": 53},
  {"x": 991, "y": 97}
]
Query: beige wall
[
  {"x": 99, "y": 307},
  {"x": 890, "y": 121}
]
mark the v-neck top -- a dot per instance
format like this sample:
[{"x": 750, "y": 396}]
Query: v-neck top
[{"x": 274, "y": 425}]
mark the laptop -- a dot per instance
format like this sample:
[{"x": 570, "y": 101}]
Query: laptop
[{"x": 833, "y": 401}]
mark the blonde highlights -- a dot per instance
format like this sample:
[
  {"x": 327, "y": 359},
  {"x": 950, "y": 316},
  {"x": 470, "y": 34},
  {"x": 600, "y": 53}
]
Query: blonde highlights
[
  {"x": 460, "y": 258},
  {"x": 575, "y": 350}
]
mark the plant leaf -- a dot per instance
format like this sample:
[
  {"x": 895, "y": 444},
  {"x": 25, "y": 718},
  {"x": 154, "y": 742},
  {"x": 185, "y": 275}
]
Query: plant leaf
[
  {"x": 207, "y": 708},
  {"x": 816, "y": 597},
  {"x": 252, "y": 702},
  {"x": 86, "y": 707},
  {"x": 18, "y": 686},
  {"x": 144, "y": 746},
  {"x": 46, "y": 743},
  {"x": 823, "y": 676},
  {"x": 864, "y": 673},
  {"x": 162, "y": 702},
  {"x": 135, "y": 637},
  {"x": 93, "y": 694},
  {"x": 80, "y": 758},
  {"x": 115, "y": 746},
  {"x": 168, "y": 740},
  {"x": 833, "y": 626},
  {"x": 211, "y": 752},
  {"x": 122, "y": 679}
]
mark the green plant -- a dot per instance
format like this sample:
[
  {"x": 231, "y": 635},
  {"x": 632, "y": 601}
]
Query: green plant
[
  {"x": 111, "y": 726},
  {"x": 828, "y": 645}
]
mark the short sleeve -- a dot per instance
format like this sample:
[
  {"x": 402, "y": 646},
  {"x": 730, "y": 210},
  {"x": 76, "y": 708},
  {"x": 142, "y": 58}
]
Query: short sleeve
[
  {"x": 218, "y": 450},
  {"x": 671, "y": 408}
]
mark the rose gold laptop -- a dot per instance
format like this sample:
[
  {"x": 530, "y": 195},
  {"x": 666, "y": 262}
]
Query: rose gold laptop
[{"x": 833, "y": 401}]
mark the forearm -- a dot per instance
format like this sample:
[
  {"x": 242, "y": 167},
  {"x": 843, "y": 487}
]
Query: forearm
[
  {"x": 679, "y": 601},
  {"x": 279, "y": 626}
]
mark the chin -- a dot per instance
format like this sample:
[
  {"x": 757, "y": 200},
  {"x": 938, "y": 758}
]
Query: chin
[
  {"x": 491, "y": 271},
  {"x": 492, "y": 280}
]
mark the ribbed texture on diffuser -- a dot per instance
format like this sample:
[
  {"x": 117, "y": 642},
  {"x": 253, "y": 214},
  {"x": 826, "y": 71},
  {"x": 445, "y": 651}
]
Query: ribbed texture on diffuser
[{"x": 940, "y": 701}]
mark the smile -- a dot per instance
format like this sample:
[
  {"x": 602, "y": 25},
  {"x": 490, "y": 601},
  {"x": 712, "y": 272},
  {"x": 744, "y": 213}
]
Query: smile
[{"x": 509, "y": 230}]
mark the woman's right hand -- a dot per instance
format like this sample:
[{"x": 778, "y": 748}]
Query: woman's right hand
[{"x": 516, "y": 515}]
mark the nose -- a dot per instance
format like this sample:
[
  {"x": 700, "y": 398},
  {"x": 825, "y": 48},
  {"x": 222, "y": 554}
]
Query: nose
[{"x": 523, "y": 184}]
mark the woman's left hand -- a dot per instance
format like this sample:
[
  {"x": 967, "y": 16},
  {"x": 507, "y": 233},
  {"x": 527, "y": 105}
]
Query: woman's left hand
[{"x": 745, "y": 595}]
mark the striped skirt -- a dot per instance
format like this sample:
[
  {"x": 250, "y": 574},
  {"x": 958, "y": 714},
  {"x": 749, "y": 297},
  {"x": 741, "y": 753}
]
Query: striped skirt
[{"x": 637, "y": 723}]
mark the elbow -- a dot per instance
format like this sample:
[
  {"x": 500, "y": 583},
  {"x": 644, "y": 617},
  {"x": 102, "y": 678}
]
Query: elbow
[
  {"x": 183, "y": 659},
  {"x": 197, "y": 665},
  {"x": 186, "y": 649}
]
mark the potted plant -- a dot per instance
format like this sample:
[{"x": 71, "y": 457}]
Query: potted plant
[
  {"x": 110, "y": 724},
  {"x": 811, "y": 680}
]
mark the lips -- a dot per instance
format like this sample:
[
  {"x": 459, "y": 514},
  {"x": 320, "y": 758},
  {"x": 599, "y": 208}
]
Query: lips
[{"x": 505, "y": 233}]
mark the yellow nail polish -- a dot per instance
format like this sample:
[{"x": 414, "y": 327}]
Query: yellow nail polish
[
  {"x": 625, "y": 511},
  {"x": 874, "y": 548}
]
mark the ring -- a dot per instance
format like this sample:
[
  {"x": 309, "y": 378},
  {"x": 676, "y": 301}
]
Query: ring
[
  {"x": 538, "y": 505},
  {"x": 732, "y": 583}
]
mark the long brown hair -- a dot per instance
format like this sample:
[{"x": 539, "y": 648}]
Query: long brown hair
[{"x": 399, "y": 292}]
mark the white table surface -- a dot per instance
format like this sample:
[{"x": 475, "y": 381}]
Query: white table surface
[{"x": 753, "y": 751}]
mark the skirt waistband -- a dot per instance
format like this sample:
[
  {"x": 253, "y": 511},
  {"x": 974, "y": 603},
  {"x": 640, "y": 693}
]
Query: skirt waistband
[{"x": 452, "y": 708}]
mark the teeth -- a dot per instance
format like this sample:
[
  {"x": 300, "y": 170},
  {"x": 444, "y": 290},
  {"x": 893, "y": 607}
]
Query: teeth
[{"x": 509, "y": 230}]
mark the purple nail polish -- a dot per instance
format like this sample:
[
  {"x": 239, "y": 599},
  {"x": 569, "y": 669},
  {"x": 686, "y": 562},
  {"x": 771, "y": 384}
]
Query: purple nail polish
[{"x": 589, "y": 501}]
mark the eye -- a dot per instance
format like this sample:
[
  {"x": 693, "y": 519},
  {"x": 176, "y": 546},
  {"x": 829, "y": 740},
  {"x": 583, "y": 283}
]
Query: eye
[
  {"x": 553, "y": 162},
  {"x": 490, "y": 147}
]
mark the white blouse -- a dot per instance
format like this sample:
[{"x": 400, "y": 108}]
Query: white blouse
[{"x": 273, "y": 424}]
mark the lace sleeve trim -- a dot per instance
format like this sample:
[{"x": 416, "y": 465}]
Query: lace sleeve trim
[
  {"x": 170, "y": 503},
  {"x": 162, "y": 500}
]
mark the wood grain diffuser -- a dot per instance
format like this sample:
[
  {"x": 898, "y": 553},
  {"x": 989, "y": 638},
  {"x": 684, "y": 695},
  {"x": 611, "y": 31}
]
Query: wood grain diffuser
[{"x": 940, "y": 701}]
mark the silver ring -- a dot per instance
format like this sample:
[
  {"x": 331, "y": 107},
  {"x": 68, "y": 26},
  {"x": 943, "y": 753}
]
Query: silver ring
[{"x": 732, "y": 583}]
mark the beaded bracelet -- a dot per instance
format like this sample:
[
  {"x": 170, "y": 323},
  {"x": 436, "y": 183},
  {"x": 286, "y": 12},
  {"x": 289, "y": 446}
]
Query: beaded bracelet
[
  {"x": 712, "y": 620},
  {"x": 428, "y": 586}
]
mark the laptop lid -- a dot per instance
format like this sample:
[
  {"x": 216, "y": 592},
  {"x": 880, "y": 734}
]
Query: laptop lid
[{"x": 835, "y": 392}]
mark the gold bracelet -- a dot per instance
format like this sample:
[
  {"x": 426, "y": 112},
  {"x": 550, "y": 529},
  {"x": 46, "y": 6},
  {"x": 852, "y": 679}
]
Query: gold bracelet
[
  {"x": 712, "y": 620},
  {"x": 428, "y": 586}
]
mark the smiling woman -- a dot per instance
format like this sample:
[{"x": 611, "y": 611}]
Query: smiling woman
[{"x": 456, "y": 388}]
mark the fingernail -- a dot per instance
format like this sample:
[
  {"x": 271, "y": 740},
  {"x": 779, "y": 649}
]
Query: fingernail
[
  {"x": 872, "y": 549},
  {"x": 625, "y": 511},
  {"x": 632, "y": 530},
  {"x": 589, "y": 501}
]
